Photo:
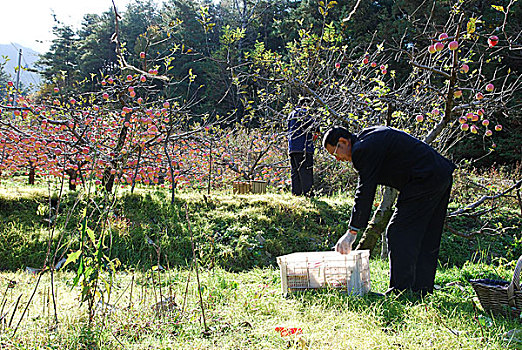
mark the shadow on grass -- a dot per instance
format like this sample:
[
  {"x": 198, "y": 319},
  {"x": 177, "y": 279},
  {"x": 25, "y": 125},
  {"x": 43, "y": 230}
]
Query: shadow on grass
[{"x": 392, "y": 312}]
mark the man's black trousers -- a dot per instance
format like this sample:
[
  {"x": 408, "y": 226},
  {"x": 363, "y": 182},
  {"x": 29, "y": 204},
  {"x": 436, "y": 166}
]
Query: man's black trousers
[
  {"x": 414, "y": 235},
  {"x": 302, "y": 174}
]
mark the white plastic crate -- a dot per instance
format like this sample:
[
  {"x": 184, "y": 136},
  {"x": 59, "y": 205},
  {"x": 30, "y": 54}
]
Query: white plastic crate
[{"x": 312, "y": 270}]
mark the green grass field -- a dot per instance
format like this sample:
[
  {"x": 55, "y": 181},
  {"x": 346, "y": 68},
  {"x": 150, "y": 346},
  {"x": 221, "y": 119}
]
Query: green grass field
[
  {"x": 237, "y": 239},
  {"x": 242, "y": 311}
]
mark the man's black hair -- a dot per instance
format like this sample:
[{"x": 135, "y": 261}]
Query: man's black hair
[
  {"x": 332, "y": 136},
  {"x": 305, "y": 101}
]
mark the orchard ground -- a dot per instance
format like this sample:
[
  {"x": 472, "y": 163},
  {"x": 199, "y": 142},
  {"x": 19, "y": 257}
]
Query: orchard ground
[
  {"x": 237, "y": 238},
  {"x": 246, "y": 310}
]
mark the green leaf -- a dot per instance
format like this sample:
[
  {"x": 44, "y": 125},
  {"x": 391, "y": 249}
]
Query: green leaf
[
  {"x": 72, "y": 257},
  {"x": 79, "y": 273},
  {"x": 107, "y": 284},
  {"x": 332, "y": 4},
  {"x": 471, "y": 25},
  {"x": 91, "y": 235},
  {"x": 99, "y": 251}
]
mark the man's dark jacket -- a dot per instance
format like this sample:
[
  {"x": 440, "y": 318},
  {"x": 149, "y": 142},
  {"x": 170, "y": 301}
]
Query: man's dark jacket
[{"x": 387, "y": 156}]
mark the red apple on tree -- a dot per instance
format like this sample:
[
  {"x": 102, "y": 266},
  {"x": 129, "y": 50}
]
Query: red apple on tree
[
  {"x": 453, "y": 45},
  {"x": 492, "y": 40}
]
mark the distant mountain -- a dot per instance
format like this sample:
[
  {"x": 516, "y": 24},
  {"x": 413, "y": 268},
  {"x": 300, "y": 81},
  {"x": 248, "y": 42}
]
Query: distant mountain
[{"x": 30, "y": 80}]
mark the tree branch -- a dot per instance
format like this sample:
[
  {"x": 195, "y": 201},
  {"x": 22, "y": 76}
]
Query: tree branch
[
  {"x": 483, "y": 199},
  {"x": 431, "y": 69}
]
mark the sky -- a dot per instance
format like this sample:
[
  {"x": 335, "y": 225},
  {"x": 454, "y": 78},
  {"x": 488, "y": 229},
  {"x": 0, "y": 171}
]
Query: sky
[{"x": 29, "y": 22}]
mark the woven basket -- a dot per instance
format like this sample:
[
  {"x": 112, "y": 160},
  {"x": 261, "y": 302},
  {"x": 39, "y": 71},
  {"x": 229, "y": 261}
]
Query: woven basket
[
  {"x": 501, "y": 297},
  {"x": 242, "y": 187}
]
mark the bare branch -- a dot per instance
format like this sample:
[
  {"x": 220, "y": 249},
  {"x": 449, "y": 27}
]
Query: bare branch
[
  {"x": 482, "y": 231},
  {"x": 485, "y": 198},
  {"x": 431, "y": 69}
]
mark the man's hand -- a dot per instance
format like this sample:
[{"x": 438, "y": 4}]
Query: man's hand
[{"x": 344, "y": 244}]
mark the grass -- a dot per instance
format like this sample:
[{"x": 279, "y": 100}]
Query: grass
[
  {"x": 238, "y": 238},
  {"x": 243, "y": 309},
  {"x": 240, "y": 231},
  {"x": 234, "y": 231}
]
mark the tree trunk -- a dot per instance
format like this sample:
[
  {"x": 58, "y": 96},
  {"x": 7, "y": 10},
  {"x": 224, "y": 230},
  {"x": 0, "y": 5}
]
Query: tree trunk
[
  {"x": 136, "y": 170},
  {"x": 171, "y": 170},
  {"x": 73, "y": 175},
  {"x": 31, "y": 175},
  {"x": 108, "y": 180},
  {"x": 381, "y": 217}
]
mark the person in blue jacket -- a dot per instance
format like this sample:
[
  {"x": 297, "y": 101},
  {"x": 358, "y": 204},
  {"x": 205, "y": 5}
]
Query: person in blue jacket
[
  {"x": 301, "y": 131},
  {"x": 386, "y": 156}
]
